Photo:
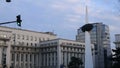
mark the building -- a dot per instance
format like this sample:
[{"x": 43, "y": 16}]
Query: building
[
  {"x": 117, "y": 40},
  {"x": 19, "y": 48},
  {"x": 100, "y": 37},
  {"x": 57, "y": 52}
]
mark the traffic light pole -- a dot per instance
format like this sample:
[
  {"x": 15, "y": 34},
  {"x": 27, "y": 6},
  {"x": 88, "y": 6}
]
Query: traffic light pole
[
  {"x": 8, "y": 22},
  {"x": 18, "y": 21}
]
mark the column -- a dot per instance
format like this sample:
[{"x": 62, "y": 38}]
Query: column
[
  {"x": 62, "y": 57},
  {"x": 47, "y": 59},
  {"x": 28, "y": 60},
  {"x": 54, "y": 59},
  {"x": 24, "y": 55},
  {"x": 65, "y": 58},
  {"x": 0, "y": 56},
  {"x": 20, "y": 59},
  {"x": 88, "y": 52},
  {"x": 40, "y": 60},
  {"x": 8, "y": 55},
  {"x": 15, "y": 60},
  {"x": 43, "y": 59},
  {"x": 59, "y": 56}
]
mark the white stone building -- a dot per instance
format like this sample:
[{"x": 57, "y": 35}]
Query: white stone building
[
  {"x": 19, "y": 48},
  {"x": 57, "y": 52}
]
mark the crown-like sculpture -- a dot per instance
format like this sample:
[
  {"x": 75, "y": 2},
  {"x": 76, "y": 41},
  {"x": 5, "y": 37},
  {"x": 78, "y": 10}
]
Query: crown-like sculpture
[{"x": 87, "y": 27}]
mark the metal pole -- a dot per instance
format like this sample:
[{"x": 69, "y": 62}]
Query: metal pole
[{"x": 8, "y": 22}]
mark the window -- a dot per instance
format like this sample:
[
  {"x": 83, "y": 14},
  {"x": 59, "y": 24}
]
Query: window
[
  {"x": 35, "y": 44},
  {"x": 12, "y": 65},
  {"x": 55, "y": 43},
  {"x": 27, "y": 44},
  {"x": 13, "y": 48},
  {"x": 26, "y": 65},
  {"x": 39, "y": 39},
  {"x": 27, "y": 38},
  {"x": 21, "y": 57},
  {"x": 30, "y": 65},
  {"x": 34, "y": 58},
  {"x": 63, "y": 57},
  {"x": 27, "y": 48},
  {"x": 77, "y": 49},
  {"x": 13, "y": 56},
  {"x": 30, "y": 57},
  {"x": 31, "y": 38},
  {"x": 22, "y": 48},
  {"x": 35, "y": 38},
  {"x": 17, "y": 59},
  {"x": 17, "y": 48},
  {"x": 31, "y": 44},
  {"x": 71, "y": 49},
  {"x": 18, "y": 36},
  {"x": 23, "y": 37},
  {"x": 26, "y": 57}
]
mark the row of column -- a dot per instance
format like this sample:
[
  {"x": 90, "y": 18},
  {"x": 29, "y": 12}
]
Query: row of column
[
  {"x": 24, "y": 60},
  {"x": 49, "y": 59}
]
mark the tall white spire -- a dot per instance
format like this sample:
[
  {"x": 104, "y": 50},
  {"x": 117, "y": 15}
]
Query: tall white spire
[
  {"x": 88, "y": 52},
  {"x": 86, "y": 16}
]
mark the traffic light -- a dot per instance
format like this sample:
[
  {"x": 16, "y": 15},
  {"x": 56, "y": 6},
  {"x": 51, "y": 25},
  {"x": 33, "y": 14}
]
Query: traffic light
[
  {"x": 18, "y": 20},
  {"x": 8, "y": 0}
]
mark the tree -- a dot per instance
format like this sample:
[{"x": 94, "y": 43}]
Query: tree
[
  {"x": 75, "y": 62},
  {"x": 116, "y": 58}
]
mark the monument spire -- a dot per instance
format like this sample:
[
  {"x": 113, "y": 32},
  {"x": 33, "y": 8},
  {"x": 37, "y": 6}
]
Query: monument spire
[
  {"x": 86, "y": 17},
  {"x": 88, "y": 53}
]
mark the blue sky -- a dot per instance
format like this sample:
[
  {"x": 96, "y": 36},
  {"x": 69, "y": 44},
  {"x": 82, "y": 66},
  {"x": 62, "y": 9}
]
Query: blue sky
[{"x": 62, "y": 17}]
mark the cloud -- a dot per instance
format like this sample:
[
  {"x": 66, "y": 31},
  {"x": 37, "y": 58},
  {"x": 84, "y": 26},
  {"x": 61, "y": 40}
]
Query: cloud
[
  {"x": 72, "y": 18},
  {"x": 61, "y": 6},
  {"x": 79, "y": 10},
  {"x": 70, "y": 25},
  {"x": 104, "y": 15},
  {"x": 73, "y": 1},
  {"x": 114, "y": 28}
]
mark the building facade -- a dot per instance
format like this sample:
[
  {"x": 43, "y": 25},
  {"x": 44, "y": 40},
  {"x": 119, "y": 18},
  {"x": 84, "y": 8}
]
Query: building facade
[
  {"x": 57, "y": 52},
  {"x": 19, "y": 48},
  {"x": 117, "y": 40},
  {"x": 100, "y": 37}
]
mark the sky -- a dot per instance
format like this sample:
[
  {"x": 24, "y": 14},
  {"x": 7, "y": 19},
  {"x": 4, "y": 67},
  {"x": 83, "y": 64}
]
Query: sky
[{"x": 63, "y": 17}]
